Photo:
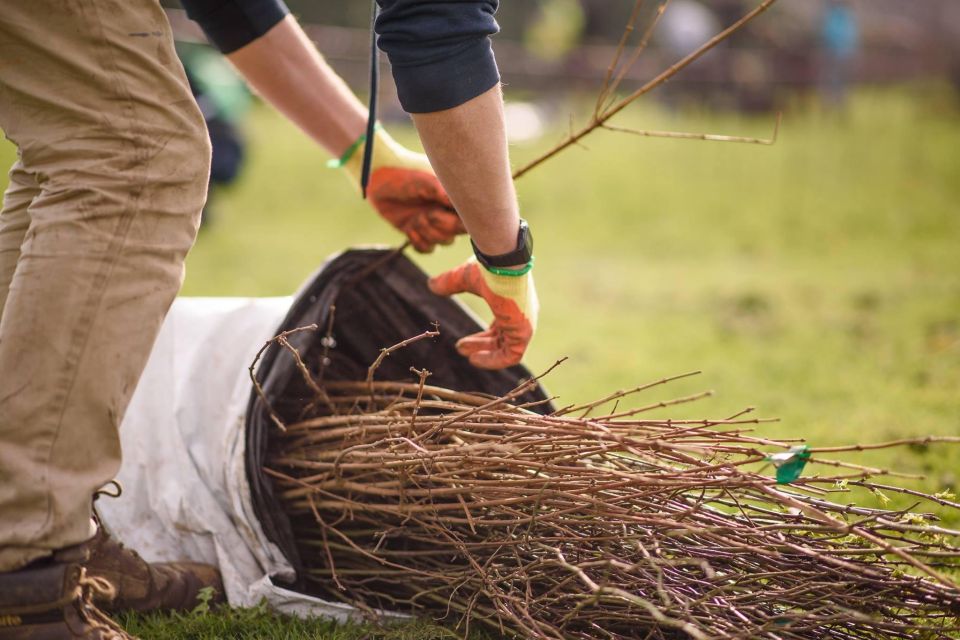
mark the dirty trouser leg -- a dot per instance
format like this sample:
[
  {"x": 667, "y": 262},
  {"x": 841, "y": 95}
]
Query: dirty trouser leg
[
  {"x": 14, "y": 221},
  {"x": 94, "y": 97}
]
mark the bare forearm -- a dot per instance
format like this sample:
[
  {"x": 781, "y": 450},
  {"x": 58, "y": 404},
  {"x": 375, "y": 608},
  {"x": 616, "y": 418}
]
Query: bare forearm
[
  {"x": 285, "y": 68},
  {"x": 467, "y": 146}
]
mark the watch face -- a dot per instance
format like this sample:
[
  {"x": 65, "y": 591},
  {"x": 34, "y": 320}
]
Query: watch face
[{"x": 526, "y": 239}]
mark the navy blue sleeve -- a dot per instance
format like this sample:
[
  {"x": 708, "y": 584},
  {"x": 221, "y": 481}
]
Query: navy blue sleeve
[
  {"x": 440, "y": 50},
  {"x": 231, "y": 24}
]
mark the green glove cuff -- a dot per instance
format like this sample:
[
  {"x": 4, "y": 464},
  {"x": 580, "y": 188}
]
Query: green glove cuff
[
  {"x": 338, "y": 163},
  {"x": 513, "y": 273}
]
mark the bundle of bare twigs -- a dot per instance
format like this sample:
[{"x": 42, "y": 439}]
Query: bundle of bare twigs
[{"x": 409, "y": 497}]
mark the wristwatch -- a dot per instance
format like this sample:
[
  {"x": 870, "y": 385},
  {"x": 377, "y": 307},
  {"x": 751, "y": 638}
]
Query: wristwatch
[{"x": 519, "y": 256}]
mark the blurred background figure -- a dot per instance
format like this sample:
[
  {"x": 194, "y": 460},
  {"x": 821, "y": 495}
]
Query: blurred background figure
[
  {"x": 686, "y": 25},
  {"x": 224, "y": 100},
  {"x": 840, "y": 39}
]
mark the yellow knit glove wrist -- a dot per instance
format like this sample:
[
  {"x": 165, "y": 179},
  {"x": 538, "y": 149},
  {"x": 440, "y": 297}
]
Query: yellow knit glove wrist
[
  {"x": 387, "y": 152},
  {"x": 520, "y": 289}
]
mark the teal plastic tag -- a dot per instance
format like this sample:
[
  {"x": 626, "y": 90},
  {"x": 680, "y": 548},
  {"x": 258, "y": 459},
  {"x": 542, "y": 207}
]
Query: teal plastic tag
[{"x": 790, "y": 463}]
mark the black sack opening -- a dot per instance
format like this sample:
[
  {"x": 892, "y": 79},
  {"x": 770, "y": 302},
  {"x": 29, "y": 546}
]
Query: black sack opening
[{"x": 381, "y": 299}]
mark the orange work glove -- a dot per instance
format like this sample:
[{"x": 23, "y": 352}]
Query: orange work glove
[
  {"x": 513, "y": 300},
  {"x": 404, "y": 189}
]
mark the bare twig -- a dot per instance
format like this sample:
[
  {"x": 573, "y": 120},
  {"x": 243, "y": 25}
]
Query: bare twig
[
  {"x": 700, "y": 136},
  {"x": 620, "y": 394},
  {"x": 604, "y": 114},
  {"x": 376, "y": 264},
  {"x": 256, "y": 383},
  {"x": 386, "y": 351},
  {"x": 638, "y": 50},
  {"x": 423, "y": 374},
  {"x": 628, "y": 30},
  {"x": 472, "y": 508}
]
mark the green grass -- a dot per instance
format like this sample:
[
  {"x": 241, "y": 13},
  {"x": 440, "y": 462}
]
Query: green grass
[
  {"x": 817, "y": 279},
  {"x": 259, "y": 623}
]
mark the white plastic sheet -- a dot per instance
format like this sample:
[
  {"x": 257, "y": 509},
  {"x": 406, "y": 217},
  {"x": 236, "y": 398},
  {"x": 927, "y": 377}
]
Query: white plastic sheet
[{"x": 186, "y": 495}]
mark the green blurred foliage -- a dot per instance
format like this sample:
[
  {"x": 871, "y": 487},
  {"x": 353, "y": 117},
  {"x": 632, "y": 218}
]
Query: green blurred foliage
[{"x": 557, "y": 29}]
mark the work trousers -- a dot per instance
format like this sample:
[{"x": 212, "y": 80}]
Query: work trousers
[{"x": 103, "y": 204}]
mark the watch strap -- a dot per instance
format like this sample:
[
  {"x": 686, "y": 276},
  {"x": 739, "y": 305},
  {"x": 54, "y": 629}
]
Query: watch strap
[{"x": 523, "y": 254}]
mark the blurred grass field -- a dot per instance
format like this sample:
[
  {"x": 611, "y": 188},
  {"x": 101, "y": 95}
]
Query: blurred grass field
[{"x": 817, "y": 279}]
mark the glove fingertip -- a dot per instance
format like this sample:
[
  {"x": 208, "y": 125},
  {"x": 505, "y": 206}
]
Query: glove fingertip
[
  {"x": 450, "y": 282},
  {"x": 476, "y": 343},
  {"x": 493, "y": 360},
  {"x": 438, "y": 285}
]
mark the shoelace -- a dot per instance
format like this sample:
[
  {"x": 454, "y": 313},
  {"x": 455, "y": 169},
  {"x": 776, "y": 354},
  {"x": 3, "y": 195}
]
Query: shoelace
[
  {"x": 103, "y": 491},
  {"x": 91, "y": 587}
]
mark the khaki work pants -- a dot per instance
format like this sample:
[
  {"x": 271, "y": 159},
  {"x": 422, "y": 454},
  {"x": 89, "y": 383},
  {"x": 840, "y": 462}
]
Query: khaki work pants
[{"x": 102, "y": 207}]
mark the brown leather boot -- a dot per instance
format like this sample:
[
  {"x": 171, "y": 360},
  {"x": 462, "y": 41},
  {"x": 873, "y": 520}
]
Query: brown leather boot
[
  {"x": 143, "y": 586},
  {"x": 52, "y": 599}
]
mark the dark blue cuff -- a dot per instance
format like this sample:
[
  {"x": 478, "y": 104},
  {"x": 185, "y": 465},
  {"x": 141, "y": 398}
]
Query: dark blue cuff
[
  {"x": 448, "y": 82},
  {"x": 440, "y": 50},
  {"x": 232, "y": 24}
]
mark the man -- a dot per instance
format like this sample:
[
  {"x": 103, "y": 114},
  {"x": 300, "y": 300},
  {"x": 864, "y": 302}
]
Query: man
[{"x": 104, "y": 203}]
